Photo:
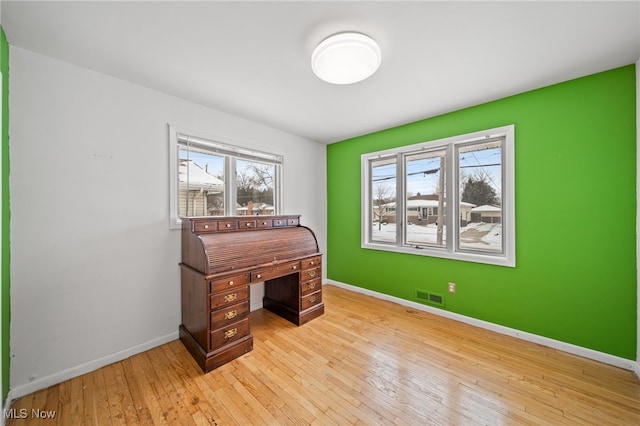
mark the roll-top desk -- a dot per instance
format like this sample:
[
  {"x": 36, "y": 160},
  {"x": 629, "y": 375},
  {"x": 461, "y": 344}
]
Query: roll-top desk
[{"x": 221, "y": 258}]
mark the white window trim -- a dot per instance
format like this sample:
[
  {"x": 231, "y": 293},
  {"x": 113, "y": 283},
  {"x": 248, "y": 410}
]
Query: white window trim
[
  {"x": 452, "y": 251},
  {"x": 228, "y": 145}
]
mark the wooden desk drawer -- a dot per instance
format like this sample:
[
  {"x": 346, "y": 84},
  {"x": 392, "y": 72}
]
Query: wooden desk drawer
[
  {"x": 275, "y": 271},
  {"x": 247, "y": 224},
  {"x": 310, "y": 286},
  {"x": 228, "y": 298},
  {"x": 310, "y": 300},
  {"x": 223, "y": 317},
  {"x": 228, "y": 334},
  {"x": 279, "y": 222},
  {"x": 208, "y": 226},
  {"x": 311, "y": 274},
  {"x": 311, "y": 262},
  {"x": 264, "y": 223},
  {"x": 227, "y": 225},
  {"x": 228, "y": 283}
]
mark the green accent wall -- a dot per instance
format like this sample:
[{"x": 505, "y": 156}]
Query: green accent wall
[
  {"x": 6, "y": 306},
  {"x": 575, "y": 159}
]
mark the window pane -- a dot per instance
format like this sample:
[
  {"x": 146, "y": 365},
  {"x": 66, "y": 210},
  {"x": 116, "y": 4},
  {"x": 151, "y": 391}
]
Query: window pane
[
  {"x": 200, "y": 183},
  {"x": 383, "y": 200},
  {"x": 255, "y": 183},
  {"x": 480, "y": 205},
  {"x": 425, "y": 202}
]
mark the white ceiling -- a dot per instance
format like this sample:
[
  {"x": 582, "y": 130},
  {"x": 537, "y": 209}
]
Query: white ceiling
[{"x": 252, "y": 59}]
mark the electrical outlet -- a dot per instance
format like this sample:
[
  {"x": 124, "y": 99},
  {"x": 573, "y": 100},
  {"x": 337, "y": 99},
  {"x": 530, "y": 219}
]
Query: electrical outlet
[{"x": 452, "y": 287}]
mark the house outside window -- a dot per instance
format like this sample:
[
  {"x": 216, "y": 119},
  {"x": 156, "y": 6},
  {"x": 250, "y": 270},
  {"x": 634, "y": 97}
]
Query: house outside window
[
  {"x": 451, "y": 198},
  {"x": 212, "y": 177}
]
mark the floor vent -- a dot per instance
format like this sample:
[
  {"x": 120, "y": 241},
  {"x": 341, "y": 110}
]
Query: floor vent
[{"x": 429, "y": 298}]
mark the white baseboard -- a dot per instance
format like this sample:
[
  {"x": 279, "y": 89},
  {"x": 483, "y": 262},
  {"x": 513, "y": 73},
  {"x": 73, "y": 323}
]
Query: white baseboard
[
  {"x": 605, "y": 358},
  {"x": 79, "y": 370}
]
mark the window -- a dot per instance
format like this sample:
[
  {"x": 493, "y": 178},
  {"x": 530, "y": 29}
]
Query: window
[
  {"x": 451, "y": 198},
  {"x": 215, "y": 178}
]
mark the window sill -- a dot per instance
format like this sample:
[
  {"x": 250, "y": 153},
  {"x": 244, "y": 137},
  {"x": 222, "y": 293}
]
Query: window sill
[{"x": 508, "y": 260}]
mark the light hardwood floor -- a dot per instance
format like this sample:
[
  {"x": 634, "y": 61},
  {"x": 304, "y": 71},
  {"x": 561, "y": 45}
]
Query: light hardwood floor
[{"x": 366, "y": 362}]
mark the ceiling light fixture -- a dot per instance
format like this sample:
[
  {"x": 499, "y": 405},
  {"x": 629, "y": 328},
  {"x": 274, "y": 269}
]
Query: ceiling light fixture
[{"x": 346, "y": 58}]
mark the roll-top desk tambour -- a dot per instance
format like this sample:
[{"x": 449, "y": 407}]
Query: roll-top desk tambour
[{"x": 221, "y": 258}]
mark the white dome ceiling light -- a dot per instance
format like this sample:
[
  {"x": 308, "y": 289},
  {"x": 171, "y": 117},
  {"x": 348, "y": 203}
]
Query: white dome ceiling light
[{"x": 346, "y": 58}]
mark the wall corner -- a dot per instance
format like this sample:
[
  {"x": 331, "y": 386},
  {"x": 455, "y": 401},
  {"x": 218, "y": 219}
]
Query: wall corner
[{"x": 637, "y": 369}]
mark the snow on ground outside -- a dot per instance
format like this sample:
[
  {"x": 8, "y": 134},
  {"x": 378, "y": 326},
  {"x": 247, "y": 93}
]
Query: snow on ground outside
[{"x": 486, "y": 236}]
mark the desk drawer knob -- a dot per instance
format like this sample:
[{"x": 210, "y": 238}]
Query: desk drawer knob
[
  {"x": 312, "y": 263},
  {"x": 258, "y": 276},
  {"x": 231, "y": 282},
  {"x": 206, "y": 227},
  {"x": 228, "y": 225},
  {"x": 230, "y": 297},
  {"x": 294, "y": 267},
  {"x": 231, "y": 314},
  {"x": 230, "y": 333}
]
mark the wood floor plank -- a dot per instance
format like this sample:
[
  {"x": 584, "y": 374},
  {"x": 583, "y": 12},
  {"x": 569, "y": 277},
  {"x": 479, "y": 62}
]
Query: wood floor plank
[
  {"x": 364, "y": 362},
  {"x": 95, "y": 401},
  {"x": 196, "y": 404},
  {"x": 89, "y": 399},
  {"x": 171, "y": 389},
  {"x": 51, "y": 405},
  {"x": 286, "y": 399},
  {"x": 135, "y": 380},
  {"x": 121, "y": 407},
  {"x": 32, "y": 408},
  {"x": 64, "y": 402},
  {"x": 166, "y": 389},
  {"x": 201, "y": 396}
]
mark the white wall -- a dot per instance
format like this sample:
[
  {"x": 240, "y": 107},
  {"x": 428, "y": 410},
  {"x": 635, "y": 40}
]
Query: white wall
[{"x": 94, "y": 269}]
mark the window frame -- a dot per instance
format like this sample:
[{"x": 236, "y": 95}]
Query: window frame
[
  {"x": 231, "y": 151},
  {"x": 452, "y": 249}
]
